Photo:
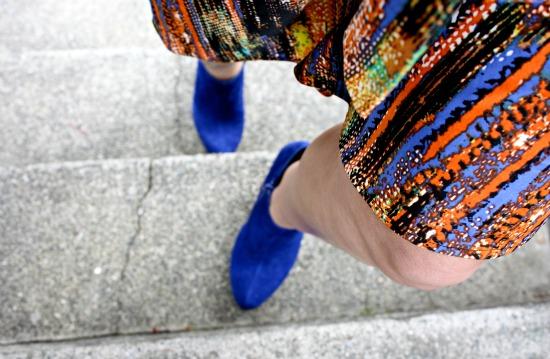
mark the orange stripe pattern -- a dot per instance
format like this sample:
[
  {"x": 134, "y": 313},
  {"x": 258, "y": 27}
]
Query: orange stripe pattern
[{"x": 448, "y": 133}]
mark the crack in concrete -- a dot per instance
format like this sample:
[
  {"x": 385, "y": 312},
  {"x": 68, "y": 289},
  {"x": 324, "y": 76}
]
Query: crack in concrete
[
  {"x": 252, "y": 326},
  {"x": 132, "y": 241}
]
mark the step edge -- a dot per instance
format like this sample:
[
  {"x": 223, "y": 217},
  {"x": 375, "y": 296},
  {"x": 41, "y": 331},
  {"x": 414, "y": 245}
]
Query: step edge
[
  {"x": 143, "y": 337},
  {"x": 56, "y": 165}
]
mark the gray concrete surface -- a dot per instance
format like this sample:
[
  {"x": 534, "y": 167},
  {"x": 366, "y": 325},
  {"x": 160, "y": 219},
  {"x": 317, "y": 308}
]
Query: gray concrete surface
[
  {"x": 64, "y": 230},
  {"x": 513, "y": 332},
  {"x": 94, "y": 104},
  {"x": 96, "y": 248},
  {"x": 77, "y": 24}
]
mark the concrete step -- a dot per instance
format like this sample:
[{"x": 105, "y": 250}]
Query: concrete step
[
  {"x": 77, "y": 24},
  {"x": 502, "y": 332},
  {"x": 95, "y": 104},
  {"x": 137, "y": 245}
]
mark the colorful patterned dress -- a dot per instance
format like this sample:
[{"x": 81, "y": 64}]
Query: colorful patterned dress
[{"x": 447, "y": 136}]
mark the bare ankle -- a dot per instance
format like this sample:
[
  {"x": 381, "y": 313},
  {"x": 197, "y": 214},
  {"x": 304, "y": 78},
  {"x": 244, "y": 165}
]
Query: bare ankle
[
  {"x": 282, "y": 207},
  {"x": 223, "y": 70},
  {"x": 277, "y": 212}
]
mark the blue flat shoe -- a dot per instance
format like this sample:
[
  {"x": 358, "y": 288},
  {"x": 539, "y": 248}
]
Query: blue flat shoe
[
  {"x": 264, "y": 253},
  {"x": 218, "y": 110}
]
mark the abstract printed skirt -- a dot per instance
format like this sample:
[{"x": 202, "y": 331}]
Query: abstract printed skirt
[{"x": 447, "y": 136}]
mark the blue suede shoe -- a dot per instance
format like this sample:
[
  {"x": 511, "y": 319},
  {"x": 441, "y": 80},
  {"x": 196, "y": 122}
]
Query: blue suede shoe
[
  {"x": 264, "y": 252},
  {"x": 218, "y": 110}
]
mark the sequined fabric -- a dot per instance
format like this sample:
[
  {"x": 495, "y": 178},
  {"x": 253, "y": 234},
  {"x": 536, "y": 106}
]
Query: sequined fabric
[{"x": 448, "y": 133}]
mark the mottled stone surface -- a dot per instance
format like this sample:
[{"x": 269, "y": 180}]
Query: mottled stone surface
[
  {"x": 95, "y": 104},
  {"x": 80, "y": 105},
  {"x": 161, "y": 238},
  {"x": 512, "y": 332},
  {"x": 64, "y": 233},
  {"x": 78, "y": 24}
]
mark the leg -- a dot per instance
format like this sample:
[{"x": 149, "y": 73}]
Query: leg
[
  {"x": 316, "y": 196},
  {"x": 223, "y": 70},
  {"x": 218, "y": 105}
]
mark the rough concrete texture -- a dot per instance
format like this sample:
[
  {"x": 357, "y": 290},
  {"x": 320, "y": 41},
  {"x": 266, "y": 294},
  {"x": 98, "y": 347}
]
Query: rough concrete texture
[
  {"x": 78, "y": 24},
  {"x": 84, "y": 105},
  {"x": 97, "y": 248},
  {"x": 64, "y": 233},
  {"x": 513, "y": 332}
]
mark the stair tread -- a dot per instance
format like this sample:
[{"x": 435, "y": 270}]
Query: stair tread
[
  {"x": 125, "y": 246},
  {"x": 496, "y": 332},
  {"x": 53, "y": 25},
  {"x": 123, "y": 103}
]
